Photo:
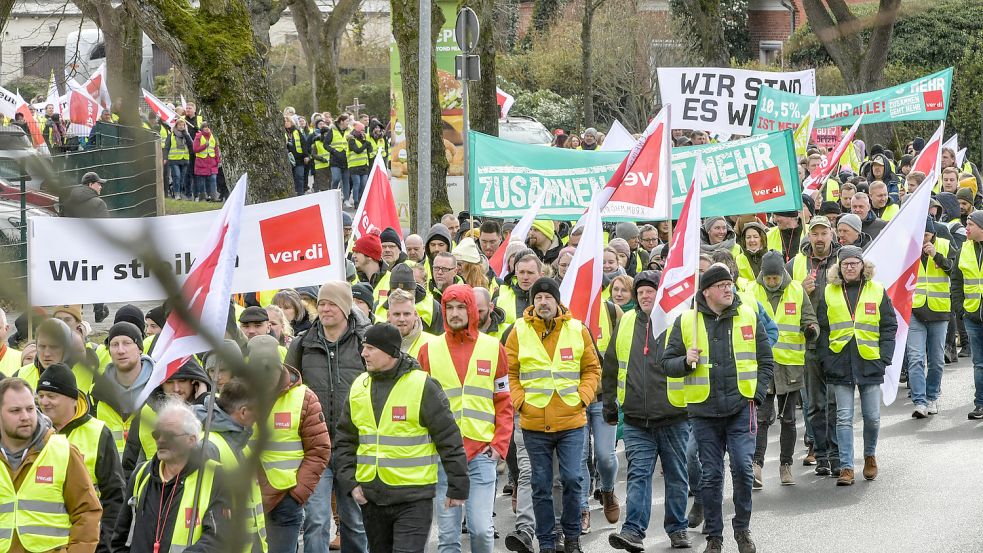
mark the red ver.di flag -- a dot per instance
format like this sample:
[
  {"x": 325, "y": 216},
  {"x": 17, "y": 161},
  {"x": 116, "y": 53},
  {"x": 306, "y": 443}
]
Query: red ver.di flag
[
  {"x": 377, "y": 208},
  {"x": 641, "y": 186}
]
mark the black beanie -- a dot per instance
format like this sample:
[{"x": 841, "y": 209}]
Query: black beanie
[
  {"x": 60, "y": 379},
  {"x": 390, "y": 236},
  {"x": 157, "y": 315},
  {"x": 716, "y": 273},
  {"x": 647, "y": 278},
  {"x": 401, "y": 276},
  {"x": 125, "y": 329},
  {"x": 131, "y": 314},
  {"x": 809, "y": 203},
  {"x": 385, "y": 337},
  {"x": 545, "y": 284},
  {"x": 363, "y": 291}
]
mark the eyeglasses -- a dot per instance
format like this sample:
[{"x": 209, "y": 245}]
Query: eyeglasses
[
  {"x": 437, "y": 269},
  {"x": 851, "y": 264},
  {"x": 725, "y": 285},
  {"x": 165, "y": 436}
]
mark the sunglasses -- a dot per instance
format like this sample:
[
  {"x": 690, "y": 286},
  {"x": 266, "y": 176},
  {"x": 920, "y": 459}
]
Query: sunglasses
[{"x": 164, "y": 436}]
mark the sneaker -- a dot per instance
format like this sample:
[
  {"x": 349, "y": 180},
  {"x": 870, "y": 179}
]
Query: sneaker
[
  {"x": 744, "y": 542},
  {"x": 695, "y": 515},
  {"x": 834, "y": 468},
  {"x": 627, "y": 542},
  {"x": 933, "y": 407},
  {"x": 715, "y": 544},
  {"x": 612, "y": 509},
  {"x": 335, "y": 544},
  {"x": 920, "y": 412},
  {"x": 870, "y": 468},
  {"x": 846, "y": 478},
  {"x": 810, "y": 459},
  {"x": 785, "y": 472},
  {"x": 520, "y": 542},
  {"x": 679, "y": 540},
  {"x": 584, "y": 522},
  {"x": 758, "y": 483},
  {"x": 822, "y": 468},
  {"x": 507, "y": 488},
  {"x": 976, "y": 414},
  {"x": 572, "y": 545},
  {"x": 964, "y": 352}
]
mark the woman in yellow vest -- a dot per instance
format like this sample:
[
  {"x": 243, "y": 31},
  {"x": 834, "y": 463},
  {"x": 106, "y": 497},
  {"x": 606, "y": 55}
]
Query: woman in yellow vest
[
  {"x": 753, "y": 244},
  {"x": 177, "y": 148},
  {"x": 856, "y": 344},
  {"x": 358, "y": 160}
]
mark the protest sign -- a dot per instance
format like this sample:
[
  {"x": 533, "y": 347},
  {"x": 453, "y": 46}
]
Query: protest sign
[
  {"x": 283, "y": 244},
  {"x": 752, "y": 175},
  {"x": 827, "y": 138},
  {"x": 721, "y": 99},
  {"x": 924, "y": 99}
]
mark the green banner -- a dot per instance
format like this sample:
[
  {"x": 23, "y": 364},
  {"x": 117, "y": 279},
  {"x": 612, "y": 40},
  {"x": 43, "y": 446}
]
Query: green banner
[
  {"x": 924, "y": 99},
  {"x": 752, "y": 175}
]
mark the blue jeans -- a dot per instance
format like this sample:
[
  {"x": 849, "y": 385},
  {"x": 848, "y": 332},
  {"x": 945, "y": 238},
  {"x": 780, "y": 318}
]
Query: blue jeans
[
  {"x": 605, "y": 456},
  {"x": 482, "y": 471},
  {"x": 693, "y": 466},
  {"x": 358, "y": 184},
  {"x": 975, "y": 331},
  {"x": 925, "y": 338},
  {"x": 870, "y": 408},
  {"x": 206, "y": 184},
  {"x": 642, "y": 448},
  {"x": 735, "y": 436},
  {"x": 339, "y": 177},
  {"x": 283, "y": 525},
  {"x": 317, "y": 523},
  {"x": 568, "y": 448},
  {"x": 300, "y": 179},
  {"x": 176, "y": 171}
]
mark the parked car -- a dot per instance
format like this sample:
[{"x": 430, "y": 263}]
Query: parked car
[
  {"x": 525, "y": 130},
  {"x": 35, "y": 198},
  {"x": 18, "y": 156},
  {"x": 12, "y": 260}
]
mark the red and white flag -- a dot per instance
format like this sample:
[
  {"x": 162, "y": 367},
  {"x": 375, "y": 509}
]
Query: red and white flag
[
  {"x": 83, "y": 111},
  {"x": 519, "y": 233},
  {"x": 640, "y": 188},
  {"x": 831, "y": 162},
  {"x": 206, "y": 293},
  {"x": 11, "y": 104},
  {"x": 505, "y": 101},
  {"x": 896, "y": 253},
  {"x": 166, "y": 114},
  {"x": 377, "y": 208},
  {"x": 580, "y": 290},
  {"x": 97, "y": 88},
  {"x": 677, "y": 287}
]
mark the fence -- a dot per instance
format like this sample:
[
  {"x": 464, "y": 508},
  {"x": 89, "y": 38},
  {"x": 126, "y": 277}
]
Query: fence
[{"x": 127, "y": 158}]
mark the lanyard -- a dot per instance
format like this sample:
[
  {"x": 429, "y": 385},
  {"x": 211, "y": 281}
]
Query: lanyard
[
  {"x": 787, "y": 248},
  {"x": 159, "y": 529},
  {"x": 846, "y": 298}
]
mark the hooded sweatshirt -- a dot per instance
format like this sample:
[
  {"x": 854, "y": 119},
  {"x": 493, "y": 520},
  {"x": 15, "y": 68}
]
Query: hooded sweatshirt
[
  {"x": 122, "y": 399},
  {"x": 437, "y": 232},
  {"x": 460, "y": 344}
]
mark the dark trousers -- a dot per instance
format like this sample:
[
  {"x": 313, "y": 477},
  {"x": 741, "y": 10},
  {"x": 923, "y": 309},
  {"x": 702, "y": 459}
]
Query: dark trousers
[
  {"x": 822, "y": 411},
  {"x": 766, "y": 417},
  {"x": 734, "y": 436},
  {"x": 399, "y": 528},
  {"x": 568, "y": 448},
  {"x": 283, "y": 525}
]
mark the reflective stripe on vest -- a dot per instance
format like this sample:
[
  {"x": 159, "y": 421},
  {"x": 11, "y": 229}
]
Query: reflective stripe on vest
[
  {"x": 696, "y": 386},
  {"x": 933, "y": 283},
  {"x": 255, "y": 519},
  {"x": 397, "y": 449},
  {"x": 186, "y": 513},
  {"x": 473, "y": 402},
  {"x": 176, "y": 152},
  {"x": 357, "y": 160},
  {"x": 36, "y": 511},
  {"x": 622, "y": 348},
  {"x": 542, "y": 376},
  {"x": 864, "y": 325},
  {"x": 338, "y": 141},
  {"x": 283, "y": 454},
  {"x": 209, "y": 150},
  {"x": 791, "y": 346},
  {"x": 972, "y": 277},
  {"x": 321, "y": 151},
  {"x": 85, "y": 437},
  {"x": 118, "y": 427}
]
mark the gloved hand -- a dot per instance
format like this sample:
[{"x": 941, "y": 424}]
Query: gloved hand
[{"x": 610, "y": 414}]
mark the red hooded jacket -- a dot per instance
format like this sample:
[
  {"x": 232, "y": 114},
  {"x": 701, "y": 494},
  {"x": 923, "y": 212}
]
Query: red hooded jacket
[{"x": 461, "y": 343}]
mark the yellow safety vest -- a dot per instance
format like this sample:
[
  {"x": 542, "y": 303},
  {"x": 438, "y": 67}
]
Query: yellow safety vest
[
  {"x": 36, "y": 511},
  {"x": 118, "y": 427},
  {"x": 506, "y": 300},
  {"x": 541, "y": 376},
  {"x": 622, "y": 347},
  {"x": 605, "y": 324},
  {"x": 744, "y": 269},
  {"x": 424, "y": 308},
  {"x": 473, "y": 401},
  {"x": 381, "y": 290},
  {"x": 423, "y": 338},
  {"x": 774, "y": 241},
  {"x": 339, "y": 141},
  {"x": 890, "y": 212},
  {"x": 972, "y": 276},
  {"x": 800, "y": 267},
  {"x": 85, "y": 437},
  {"x": 10, "y": 362},
  {"x": 284, "y": 453},
  {"x": 209, "y": 150},
  {"x": 398, "y": 449},
  {"x": 148, "y": 419},
  {"x": 832, "y": 190},
  {"x": 186, "y": 512},
  {"x": 864, "y": 325},
  {"x": 791, "y": 346},
  {"x": 378, "y": 145},
  {"x": 83, "y": 376},
  {"x": 255, "y": 520},
  {"x": 933, "y": 283},
  {"x": 357, "y": 160},
  {"x": 322, "y": 152},
  {"x": 298, "y": 143},
  {"x": 176, "y": 152},
  {"x": 695, "y": 388}
]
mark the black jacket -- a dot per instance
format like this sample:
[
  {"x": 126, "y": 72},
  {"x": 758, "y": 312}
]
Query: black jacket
[
  {"x": 109, "y": 478},
  {"x": 179, "y": 137},
  {"x": 84, "y": 202},
  {"x": 435, "y": 415},
  {"x": 725, "y": 399},
  {"x": 646, "y": 401},
  {"x": 142, "y": 516},
  {"x": 338, "y": 157},
  {"x": 872, "y": 225},
  {"x": 329, "y": 368}
]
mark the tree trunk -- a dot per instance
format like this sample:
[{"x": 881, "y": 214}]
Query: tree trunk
[
  {"x": 406, "y": 27},
  {"x": 215, "y": 45},
  {"x": 321, "y": 38},
  {"x": 483, "y": 93},
  {"x": 124, "y": 55},
  {"x": 585, "y": 61},
  {"x": 326, "y": 81},
  {"x": 6, "y": 6},
  {"x": 707, "y": 24}
]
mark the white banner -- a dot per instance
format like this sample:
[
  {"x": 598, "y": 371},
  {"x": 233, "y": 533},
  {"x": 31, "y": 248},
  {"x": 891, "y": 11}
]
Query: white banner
[
  {"x": 283, "y": 244},
  {"x": 723, "y": 100}
]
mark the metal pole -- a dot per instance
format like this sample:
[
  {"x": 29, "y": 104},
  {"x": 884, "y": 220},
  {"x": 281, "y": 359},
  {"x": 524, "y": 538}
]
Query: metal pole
[
  {"x": 23, "y": 240},
  {"x": 423, "y": 113},
  {"x": 206, "y": 430},
  {"x": 467, "y": 128}
]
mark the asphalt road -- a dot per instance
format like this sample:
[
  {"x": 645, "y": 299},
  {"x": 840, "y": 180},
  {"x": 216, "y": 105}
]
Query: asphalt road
[{"x": 927, "y": 497}]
